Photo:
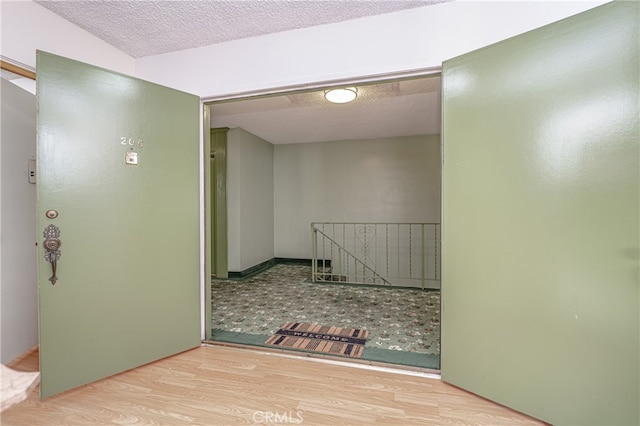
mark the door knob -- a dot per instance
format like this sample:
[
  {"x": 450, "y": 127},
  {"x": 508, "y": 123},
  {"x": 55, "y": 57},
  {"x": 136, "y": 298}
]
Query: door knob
[{"x": 52, "y": 245}]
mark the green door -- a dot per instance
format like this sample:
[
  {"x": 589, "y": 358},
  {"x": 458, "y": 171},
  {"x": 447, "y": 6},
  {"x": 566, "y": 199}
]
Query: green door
[
  {"x": 541, "y": 220},
  {"x": 118, "y": 186}
]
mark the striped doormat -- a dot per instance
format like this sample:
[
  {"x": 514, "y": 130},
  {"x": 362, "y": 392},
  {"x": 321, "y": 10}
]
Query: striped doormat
[{"x": 326, "y": 339}]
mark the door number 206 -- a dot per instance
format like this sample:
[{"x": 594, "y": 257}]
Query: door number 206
[{"x": 131, "y": 142}]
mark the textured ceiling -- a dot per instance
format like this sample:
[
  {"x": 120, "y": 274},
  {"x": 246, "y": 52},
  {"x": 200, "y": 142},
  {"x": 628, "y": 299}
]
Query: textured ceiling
[
  {"x": 382, "y": 110},
  {"x": 142, "y": 28}
]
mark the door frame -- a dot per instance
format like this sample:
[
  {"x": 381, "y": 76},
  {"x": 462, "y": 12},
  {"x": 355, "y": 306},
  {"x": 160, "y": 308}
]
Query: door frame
[{"x": 205, "y": 152}]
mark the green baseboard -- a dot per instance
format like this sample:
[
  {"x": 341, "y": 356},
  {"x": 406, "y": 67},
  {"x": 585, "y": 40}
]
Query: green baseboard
[
  {"x": 307, "y": 262},
  {"x": 292, "y": 261},
  {"x": 261, "y": 267},
  {"x": 254, "y": 270}
]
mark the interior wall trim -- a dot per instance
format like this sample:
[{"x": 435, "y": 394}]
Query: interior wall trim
[
  {"x": 17, "y": 68},
  {"x": 298, "y": 88},
  {"x": 261, "y": 267},
  {"x": 254, "y": 270}
]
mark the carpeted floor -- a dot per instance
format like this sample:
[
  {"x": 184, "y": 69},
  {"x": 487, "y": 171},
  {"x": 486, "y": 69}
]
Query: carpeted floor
[{"x": 403, "y": 324}]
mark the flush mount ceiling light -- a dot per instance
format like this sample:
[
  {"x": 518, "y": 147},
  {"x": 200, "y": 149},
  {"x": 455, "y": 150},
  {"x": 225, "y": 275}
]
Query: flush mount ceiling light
[{"x": 342, "y": 95}]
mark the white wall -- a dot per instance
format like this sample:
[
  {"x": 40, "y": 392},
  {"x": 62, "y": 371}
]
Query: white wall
[
  {"x": 417, "y": 38},
  {"x": 401, "y": 41},
  {"x": 26, "y": 27},
  {"x": 249, "y": 200},
  {"x": 18, "y": 287},
  {"x": 381, "y": 180}
]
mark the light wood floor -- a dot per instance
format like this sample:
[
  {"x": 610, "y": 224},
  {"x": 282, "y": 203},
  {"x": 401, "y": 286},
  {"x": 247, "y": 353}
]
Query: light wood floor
[{"x": 225, "y": 385}]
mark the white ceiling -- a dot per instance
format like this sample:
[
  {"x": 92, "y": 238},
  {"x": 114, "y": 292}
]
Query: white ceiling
[
  {"x": 142, "y": 28},
  {"x": 391, "y": 109},
  {"x": 150, "y": 27}
]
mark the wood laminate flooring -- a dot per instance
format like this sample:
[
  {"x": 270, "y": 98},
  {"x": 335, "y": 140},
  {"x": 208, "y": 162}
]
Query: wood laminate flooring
[{"x": 217, "y": 385}]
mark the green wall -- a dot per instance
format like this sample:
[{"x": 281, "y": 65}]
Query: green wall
[{"x": 541, "y": 220}]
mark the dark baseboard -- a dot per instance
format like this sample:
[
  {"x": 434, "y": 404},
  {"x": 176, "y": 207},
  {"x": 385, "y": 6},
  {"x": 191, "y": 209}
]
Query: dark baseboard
[
  {"x": 294, "y": 261},
  {"x": 254, "y": 270},
  {"x": 261, "y": 267}
]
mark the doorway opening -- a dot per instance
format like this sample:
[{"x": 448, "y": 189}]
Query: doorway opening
[{"x": 293, "y": 159}]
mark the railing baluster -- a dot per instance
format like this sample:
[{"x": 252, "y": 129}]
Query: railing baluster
[
  {"x": 435, "y": 252},
  {"x": 344, "y": 242},
  {"x": 324, "y": 256},
  {"x": 313, "y": 254},
  {"x": 333, "y": 234},
  {"x": 355, "y": 248},
  {"x": 398, "y": 248},
  {"x": 386, "y": 244},
  {"x": 410, "y": 253},
  {"x": 364, "y": 250},
  {"x": 423, "y": 257},
  {"x": 355, "y": 255}
]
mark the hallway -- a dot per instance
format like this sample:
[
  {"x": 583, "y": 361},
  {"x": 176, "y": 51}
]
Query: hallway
[{"x": 403, "y": 324}]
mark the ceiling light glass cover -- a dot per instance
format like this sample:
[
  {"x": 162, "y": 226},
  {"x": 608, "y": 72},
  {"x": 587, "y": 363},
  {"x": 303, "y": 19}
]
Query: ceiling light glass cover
[{"x": 341, "y": 96}]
